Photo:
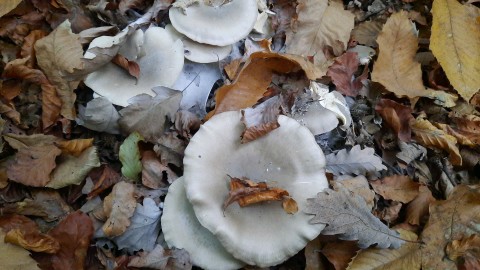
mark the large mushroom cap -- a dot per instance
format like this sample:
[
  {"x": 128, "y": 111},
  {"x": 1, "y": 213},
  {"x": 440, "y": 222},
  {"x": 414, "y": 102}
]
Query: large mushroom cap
[
  {"x": 288, "y": 158},
  {"x": 216, "y": 25},
  {"x": 160, "y": 61},
  {"x": 182, "y": 230}
]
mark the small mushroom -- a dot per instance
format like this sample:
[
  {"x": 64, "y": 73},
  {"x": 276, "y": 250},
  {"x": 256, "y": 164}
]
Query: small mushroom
[
  {"x": 200, "y": 52},
  {"x": 288, "y": 158},
  {"x": 218, "y": 25},
  {"x": 181, "y": 229},
  {"x": 160, "y": 60}
]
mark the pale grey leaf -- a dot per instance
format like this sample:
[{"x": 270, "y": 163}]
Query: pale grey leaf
[
  {"x": 99, "y": 115},
  {"x": 356, "y": 161}
]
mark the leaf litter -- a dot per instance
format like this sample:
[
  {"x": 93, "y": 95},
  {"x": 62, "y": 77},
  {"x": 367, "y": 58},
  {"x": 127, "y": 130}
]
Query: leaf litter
[{"x": 388, "y": 90}]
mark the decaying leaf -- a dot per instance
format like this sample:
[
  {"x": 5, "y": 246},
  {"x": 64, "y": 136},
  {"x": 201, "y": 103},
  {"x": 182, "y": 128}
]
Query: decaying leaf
[
  {"x": 14, "y": 257},
  {"x": 162, "y": 259},
  {"x": 320, "y": 24},
  {"x": 452, "y": 219},
  {"x": 455, "y": 42},
  {"x": 430, "y": 136},
  {"x": 129, "y": 155},
  {"x": 465, "y": 252},
  {"x": 247, "y": 192},
  {"x": 32, "y": 165},
  {"x": 408, "y": 256},
  {"x": 347, "y": 215},
  {"x": 342, "y": 71},
  {"x": 261, "y": 119},
  {"x": 418, "y": 208},
  {"x": 397, "y": 188},
  {"x": 356, "y": 161},
  {"x": 119, "y": 207},
  {"x": 397, "y": 116}
]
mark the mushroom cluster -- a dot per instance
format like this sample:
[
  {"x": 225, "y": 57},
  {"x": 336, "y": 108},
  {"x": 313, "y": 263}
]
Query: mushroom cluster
[
  {"x": 261, "y": 234},
  {"x": 208, "y": 28}
]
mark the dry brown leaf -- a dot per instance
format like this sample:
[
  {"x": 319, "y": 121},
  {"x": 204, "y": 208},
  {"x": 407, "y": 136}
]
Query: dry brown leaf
[
  {"x": 430, "y": 136},
  {"x": 397, "y": 116},
  {"x": 342, "y": 71},
  {"x": 452, "y": 219},
  {"x": 58, "y": 54},
  {"x": 260, "y": 119},
  {"x": 8, "y": 5},
  {"x": 74, "y": 147},
  {"x": 465, "y": 252},
  {"x": 359, "y": 185},
  {"x": 119, "y": 206},
  {"x": 153, "y": 171},
  {"x": 162, "y": 259},
  {"x": 340, "y": 253},
  {"x": 13, "y": 257},
  {"x": 390, "y": 213},
  {"x": 418, "y": 208},
  {"x": 466, "y": 129},
  {"x": 103, "y": 178},
  {"x": 397, "y": 188},
  {"x": 320, "y": 25},
  {"x": 51, "y": 105},
  {"x": 290, "y": 206},
  {"x": 32, "y": 165},
  {"x": 24, "y": 232},
  {"x": 313, "y": 259},
  {"x": 366, "y": 33},
  {"x": 28, "y": 50},
  {"x": 130, "y": 66},
  {"x": 455, "y": 42}
]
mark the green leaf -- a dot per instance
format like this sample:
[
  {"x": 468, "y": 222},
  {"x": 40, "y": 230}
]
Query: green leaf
[{"x": 130, "y": 156}]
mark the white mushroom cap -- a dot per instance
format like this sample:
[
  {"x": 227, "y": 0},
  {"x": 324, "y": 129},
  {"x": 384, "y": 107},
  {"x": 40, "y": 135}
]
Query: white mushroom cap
[
  {"x": 216, "y": 25},
  {"x": 200, "y": 52},
  {"x": 288, "y": 158},
  {"x": 160, "y": 61},
  {"x": 181, "y": 229}
]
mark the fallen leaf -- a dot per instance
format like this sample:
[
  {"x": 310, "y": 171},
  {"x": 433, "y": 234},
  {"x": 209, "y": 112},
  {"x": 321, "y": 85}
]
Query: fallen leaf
[
  {"x": 28, "y": 50},
  {"x": 313, "y": 259},
  {"x": 148, "y": 115},
  {"x": 103, "y": 178},
  {"x": 347, "y": 215},
  {"x": 465, "y": 252},
  {"x": 162, "y": 259},
  {"x": 410, "y": 152},
  {"x": 74, "y": 147},
  {"x": 8, "y": 5},
  {"x": 87, "y": 35},
  {"x": 14, "y": 257},
  {"x": 170, "y": 149},
  {"x": 130, "y": 66},
  {"x": 260, "y": 119},
  {"x": 358, "y": 185},
  {"x": 320, "y": 24},
  {"x": 342, "y": 73},
  {"x": 408, "y": 256},
  {"x": 19, "y": 141},
  {"x": 72, "y": 170},
  {"x": 99, "y": 115},
  {"x": 58, "y": 54},
  {"x": 390, "y": 213},
  {"x": 397, "y": 116},
  {"x": 451, "y": 219},
  {"x": 366, "y": 33},
  {"x": 51, "y": 105},
  {"x": 418, "y": 208},
  {"x": 398, "y": 188},
  {"x": 455, "y": 42},
  {"x": 32, "y": 165},
  {"x": 430, "y": 136},
  {"x": 153, "y": 171},
  {"x": 119, "y": 206},
  {"x": 186, "y": 123},
  {"x": 129, "y": 156},
  {"x": 339, "y": 253},
  {"x": 290, "y": 206},
  {"x": 356, "y": 161},
  {"x": 145, "y": 223}
]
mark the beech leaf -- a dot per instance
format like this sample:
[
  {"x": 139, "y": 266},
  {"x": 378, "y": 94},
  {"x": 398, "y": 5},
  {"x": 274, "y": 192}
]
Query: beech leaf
[
  {"x": 119, "y": 207},
  {"x": 342, "y": 71},
  {"x": 418, "y": 208},
  {"x": 8, "y": 5},
  {"x": 129, "y": 155},
  {"x": 398, "y": 188},
  {"x": 366, "y": 33},
  {"x": 14, "y": 257},
  {"x": 356, "y": 161},
  {"x": 397, "y": 116},
  {"x": 74, "y": 147},
  {"x": 348, "y": 216}
]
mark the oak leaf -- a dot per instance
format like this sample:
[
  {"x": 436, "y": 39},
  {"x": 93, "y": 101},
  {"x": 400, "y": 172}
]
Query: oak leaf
[
  {"x": 397, "y": 116},
  {"x": 356, "y": 161},
  {"x": 342, "y": 73},
  {"x": 398, "y": 188},
  {"x": 320, "y": 24},
  {"x": 119, "y": 207},
  {"x": 347, "y": 215},
  {"x": 430, "y": 136},
  {"x": 32, "y": 165},
  {"x": 14, "y": 257},
  {"x": 455, "y": 42},
  {"x": 153, "y": 171}
]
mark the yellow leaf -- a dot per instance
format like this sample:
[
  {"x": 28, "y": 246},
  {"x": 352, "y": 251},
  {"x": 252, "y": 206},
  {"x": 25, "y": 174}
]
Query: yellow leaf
[
  {"x": 74, "y": 147},
  {"x": 430, "y": 136},
  {"x": 396, "y": 68},
  {"x": 408, "y": 256},
  {"x": 8, "y": 5},
  {"x": 59, "y": 54},
  {"x": 455, "y": 42},
  {"x": 15, "y": 258}
]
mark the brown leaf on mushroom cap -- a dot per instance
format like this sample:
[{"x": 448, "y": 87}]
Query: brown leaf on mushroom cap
[
  {"x": 342, "y": 71},
  {"x": 260, "y": 119},
  {"x": 465, "y": 252},
  {"x": 397, "y": 188},
  {"x": 130, "y": 66},
  {"x": 397, "y": 116}
]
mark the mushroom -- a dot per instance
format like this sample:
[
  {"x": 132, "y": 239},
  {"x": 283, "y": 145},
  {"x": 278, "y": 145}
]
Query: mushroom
[
  {"x": 218, "y": 25},
  {"x": 199, "y": 52},
  {"x": 181, "y": 229},
  {"x": 287, "y": 157},
  {"x": 160, "y": 60}
]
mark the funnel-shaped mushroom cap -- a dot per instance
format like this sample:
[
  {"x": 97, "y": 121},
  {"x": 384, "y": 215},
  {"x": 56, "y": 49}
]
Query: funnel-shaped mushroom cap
[
  {"x": 181, "y": 229},
  {"x": 216, "y": 25},
  {"x": 160, "y": 61},
  {"x": 288, "y": 158}
]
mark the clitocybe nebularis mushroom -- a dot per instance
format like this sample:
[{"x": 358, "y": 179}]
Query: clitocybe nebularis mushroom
[
  {"x": 181, "y": 229},
  {"x": 287, "y": 157},
  {"x": 220, "y": 24}
]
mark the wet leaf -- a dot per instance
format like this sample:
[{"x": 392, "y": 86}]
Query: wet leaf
[
  {"x": 455, "y": 42},
  {"x": 397, "y": 188},
  {"x": 14, "y": 257},
  {"x": 130, "y": 156},
  {"x": 119, "y": 207}
]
